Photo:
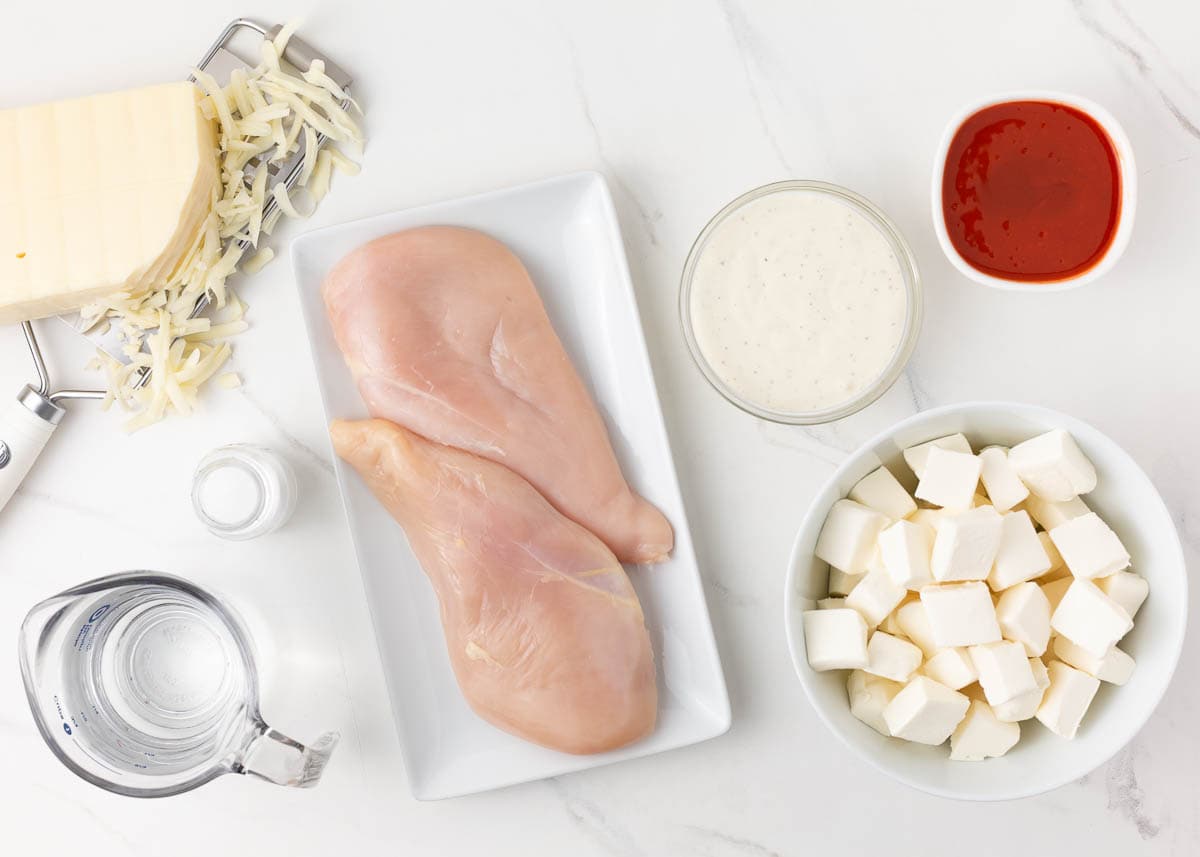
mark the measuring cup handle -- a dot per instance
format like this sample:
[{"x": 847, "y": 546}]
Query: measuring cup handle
[
  {"x": 276, "y": 758},
  {"x": 25, "y": 427}
]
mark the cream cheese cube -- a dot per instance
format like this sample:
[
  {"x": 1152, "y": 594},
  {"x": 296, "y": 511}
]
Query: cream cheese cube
[
  {"x": 1053, "y": 467},
  {"x": 914, "y": 622},
  {"x": 834, "y": 603},
  {"x": 966, "y": 545},
  {"x": 1024, "y": 616},
  {"x": 916, "y": 456},
  {"x": 981, "y": 735},
  {"x": 1054, "y": 592},
  {"x": 1067, "y": 699},
  {"x": 906, "y": 548},
  {"x": 869, "y": 695},
  {"x": 1050, "y": 515},
  {"x": 1089, "y": 547},
  {"x": 925, "y": 711},
  {"x": 840, "y": 583},
  {"x": 1127, "y": 589},
  {"x": 848, "y": 538},
  {"x": 1090, "y": 619},
  {"x": 891, "y": 623},
  {"x": 1004, "y": 671},
  {"x": 1115, "y": 668},
  {"x": 931, "y": 519},
  {"x": 835, "y": 639},
  {"x": 952, "y": 667},
  {"x": 950, "y": 479},
  {"x": 876, "y": 561},
  {"x": 1020, "y": 556},
  {"x": 1026, "y": 705},
  {"x": 881, "y": 491},
  {"x": 1004, "y": 488},
  {"x": 875, "y": 597},
  {"x": 891, "y": 657},
  {"x": 960, "y": 614},
  {"x": 1058, "y": 568}
]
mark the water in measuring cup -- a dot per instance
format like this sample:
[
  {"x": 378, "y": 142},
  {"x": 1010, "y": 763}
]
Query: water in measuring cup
[{"x": 156, "y": 682}]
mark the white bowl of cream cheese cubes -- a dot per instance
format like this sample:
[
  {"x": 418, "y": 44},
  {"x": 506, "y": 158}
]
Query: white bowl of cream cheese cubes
[{"x": 987, "y": 601}]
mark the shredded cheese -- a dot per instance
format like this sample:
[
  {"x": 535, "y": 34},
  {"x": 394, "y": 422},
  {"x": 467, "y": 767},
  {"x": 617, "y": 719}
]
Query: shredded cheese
[{"x": 262, "y": 113}]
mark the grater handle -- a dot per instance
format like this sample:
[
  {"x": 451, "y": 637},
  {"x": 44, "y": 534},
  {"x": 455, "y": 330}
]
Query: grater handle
[{"x": 25, "y": 428}]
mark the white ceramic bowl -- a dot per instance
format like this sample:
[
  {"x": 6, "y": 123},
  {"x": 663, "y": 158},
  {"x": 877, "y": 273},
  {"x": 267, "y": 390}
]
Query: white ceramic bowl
[
  {"x": 1125, "y": 498},
  {"x": 1128, "y": 190}
]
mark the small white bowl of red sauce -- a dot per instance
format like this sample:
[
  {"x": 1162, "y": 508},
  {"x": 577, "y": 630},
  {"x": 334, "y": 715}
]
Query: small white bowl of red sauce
[{"x": 1034, "y": 191}]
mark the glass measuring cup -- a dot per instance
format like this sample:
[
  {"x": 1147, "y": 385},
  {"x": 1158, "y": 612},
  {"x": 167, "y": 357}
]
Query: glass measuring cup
[{"x": 145, "y": 685}]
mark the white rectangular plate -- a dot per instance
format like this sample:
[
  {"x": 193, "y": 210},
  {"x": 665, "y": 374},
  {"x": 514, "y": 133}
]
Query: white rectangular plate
[{"x": 565, "y": 231}]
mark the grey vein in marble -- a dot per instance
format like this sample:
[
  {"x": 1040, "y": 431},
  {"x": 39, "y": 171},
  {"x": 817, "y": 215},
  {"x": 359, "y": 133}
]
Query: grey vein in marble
[
  {"x": 60, "y": 503},
  {"x": 744, "y": 41},
  {"x": 590, "y": 819},
  {"x": 920, "y": 398},
  {"x": 826, "y": 442},
  {"x": 294, "y": 442},
  {"x": 649, "y": 216},
  {"x": 1136, "y": 46},
  {"x": 728, "y": 595},
  {"x": 1126, "y": 796},
  {"x": 739, "y": 844}
]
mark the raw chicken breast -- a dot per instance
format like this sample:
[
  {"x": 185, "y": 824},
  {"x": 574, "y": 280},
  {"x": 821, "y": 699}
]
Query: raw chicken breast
[
  {"x": 544, "y": 629},
  {"x": 446, "y": 335}
]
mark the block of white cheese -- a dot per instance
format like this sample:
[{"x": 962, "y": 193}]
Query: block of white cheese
[
  {"x": 891, "y": 623},
  {"x": 916, "y": 456},
  {"x": 950, "y": 479},
  {"x": 966, "y": 545},
  {"x": 1115, "y": 668},
  {"x": 905, "y": 548},
  {"x": 1020, "y": 556},
  {"x": 1023, "y": 612},
  {"x": 831, "y": 603},
  {"x": 1127, "y": 589},
  {"x": 960, "y": 614},
  {"x": 925, "y": 711},
  {"x": 981, "y": 735},
  {"x": 869, "y": 696},
  {"x": 891, "y": 657},
  {"x": 1053, "y": 467},
  {"x": 102, "y": 195},
  {"x": 952, "y": 667},
  {"x": 847, "y": 540},
  {"x": 1049, "y": 514},
  {"x": 835, "y": 639},
  {"x": 1067, "y": 699},
  {"x": 876, "y": 596},
  {"x": 1026, "y": 705},
  {"x": 1004, "y": 671},
  {"x": 1004, "y": 488},
  {"x": 914, "y": 622},
  {"x": 1055, "y": 590},
  {"x": 841, "y": 583},
  {"x": 1089, "y": 547},
  {"x": 1058, "y": 568},
  {"x": 881, "y": 491},
  {"x": 1090, "y": 619}
]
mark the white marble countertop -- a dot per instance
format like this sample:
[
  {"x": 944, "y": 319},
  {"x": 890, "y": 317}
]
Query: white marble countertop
[{"x": 682, "y": 105}]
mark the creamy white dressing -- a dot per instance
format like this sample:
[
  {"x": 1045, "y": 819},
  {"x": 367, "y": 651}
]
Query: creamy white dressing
[{"x": 798, "y": 302}]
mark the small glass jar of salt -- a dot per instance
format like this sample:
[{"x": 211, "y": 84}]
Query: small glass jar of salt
[{"x": 243, "y": 491}]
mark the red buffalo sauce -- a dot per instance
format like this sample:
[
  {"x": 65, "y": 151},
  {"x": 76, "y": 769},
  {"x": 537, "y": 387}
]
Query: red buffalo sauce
[{"x": 1031, "y": 191}]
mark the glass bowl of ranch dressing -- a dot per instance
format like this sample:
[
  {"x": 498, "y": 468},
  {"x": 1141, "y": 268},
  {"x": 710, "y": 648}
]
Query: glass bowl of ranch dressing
[{"x": 801, "y": 302}]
